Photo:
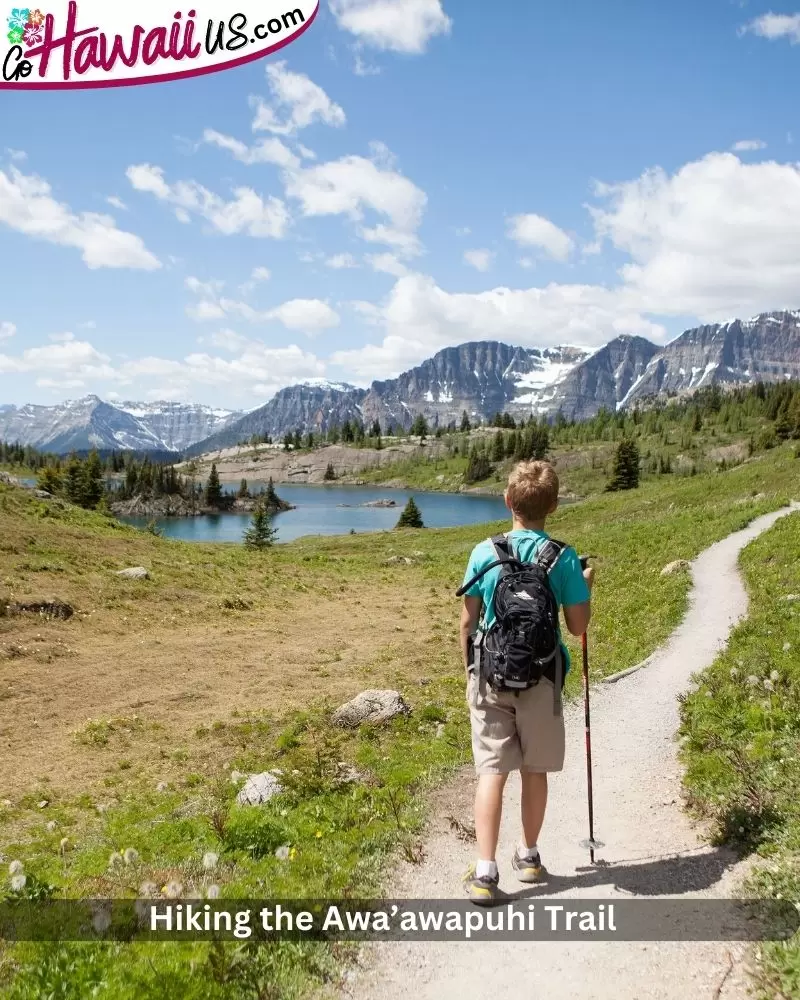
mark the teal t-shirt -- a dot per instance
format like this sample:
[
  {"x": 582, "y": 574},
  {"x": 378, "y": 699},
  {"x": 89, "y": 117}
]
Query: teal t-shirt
[{"x": 566, "y": 577}]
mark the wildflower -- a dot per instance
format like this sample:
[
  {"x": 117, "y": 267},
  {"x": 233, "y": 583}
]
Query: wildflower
[
  {"x": 148, "y": 889},
  {"x": 786, "y": 647},
  {"x": 734, "y": 673},
  {"x": 752, "y": 681},
  {"x": 162, "y": 786},
  {"x": 52, "y": 826},
  {"x": 236, "y": 776},
  {"x": 282, "y": 853},
  {"x": 131, "y": 856},
  {"x": 173, "y": 890},
  {"x": 319, "y": 834},
  {"x": 15, "y": 868},
  {"x": 18, "y": 883},
  {"x": 115, "y": 859},
  {"x": 213, "y": 892},
  {"x": 101, "y": 921},
  {"x": 774, "y": 676},
  {"x": 210, "y": 861},
  {"x": 769, "y": 686},
  {"x": 709, "y": 694},
  {"x": 63, "y": 847},
  {"x": 292, "y": 853}
]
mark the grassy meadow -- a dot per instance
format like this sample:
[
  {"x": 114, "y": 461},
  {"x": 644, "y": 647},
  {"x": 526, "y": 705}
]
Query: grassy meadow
[{"x": 121, "y": 727}]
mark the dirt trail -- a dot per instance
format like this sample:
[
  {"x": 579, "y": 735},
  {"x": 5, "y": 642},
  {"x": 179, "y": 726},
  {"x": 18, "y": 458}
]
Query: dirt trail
[{"x": 652, "y": 847}]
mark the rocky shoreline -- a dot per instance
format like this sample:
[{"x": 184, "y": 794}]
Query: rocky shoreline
[{"x": 179, "y": 506}]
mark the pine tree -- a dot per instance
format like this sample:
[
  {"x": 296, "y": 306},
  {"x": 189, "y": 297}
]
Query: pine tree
[
  {"x": 411, "y": 517},
  {"x": 271, "y": 496},
  {"x": 50, "y": 480},
  {"x": 74, "y": 485},
  {"x": 261, "y": 534},
  {"x": 498, "y": 447},
  {"x": 93, "y": 480},
  {"x": 244, "y": 492},
  {"x": 466, "y": 426},
  {"x": 625, "y": 475},
  {"x": 213, "y": 496},
  {"x": 330, "y": 473},
  {"x": 376, "y": 429},
  {"x": 420, "y": 428}
]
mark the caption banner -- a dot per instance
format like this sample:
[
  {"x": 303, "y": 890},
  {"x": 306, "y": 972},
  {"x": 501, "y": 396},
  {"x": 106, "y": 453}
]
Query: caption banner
[{"x": 400, "y": 920}]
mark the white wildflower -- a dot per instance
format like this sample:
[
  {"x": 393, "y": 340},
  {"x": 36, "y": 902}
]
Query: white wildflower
[
  {"x": 213, "y": 892},
  {"x": 64, "y": 845},
  {"x": 210, "y": 861},
  {"x": 115, "y": 859},
  {"x": 734, "y": 673},
  {"x": 131, "y": 856},
  {"x": 282, "y": 853},
  {"x": 236, "y": 776},
  {"x": 101, "y": 921},
  {"x": 16, "y": 868},
  {"x": 709, "y": 694},
  {"x": 173, "y": 890},
  {"x": 769, "y": 686},
  {"x": 774, "y": 676},
  {"x": 752, "y": 681},
  {"x": 52, "y": 826},
  {"x": 148, "y": 889},
  {"x": 786, "y": 647},
  {"x": 162, "y": 786},
  {"x": 18, "y": 883}
]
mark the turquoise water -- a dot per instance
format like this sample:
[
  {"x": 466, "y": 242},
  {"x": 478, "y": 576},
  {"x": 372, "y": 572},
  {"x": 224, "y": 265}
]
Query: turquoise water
[{"x": 318, "y": 512}]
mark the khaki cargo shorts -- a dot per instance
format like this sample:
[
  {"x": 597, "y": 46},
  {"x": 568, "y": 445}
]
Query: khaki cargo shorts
[{"x": 523, "y": 732}]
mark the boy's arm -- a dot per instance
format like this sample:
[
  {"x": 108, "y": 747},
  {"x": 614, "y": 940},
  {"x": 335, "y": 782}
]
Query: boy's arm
[
  {"x": 470, "y": 616},
  {"x": 577, "y": 596}
]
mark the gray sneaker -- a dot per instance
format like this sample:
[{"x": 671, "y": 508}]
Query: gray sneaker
[
  {"x": 482, "y": 891},
  {"x": 529, "y": 869}
]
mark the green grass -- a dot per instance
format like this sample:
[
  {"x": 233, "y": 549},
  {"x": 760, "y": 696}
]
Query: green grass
[
  {"x": 741, "y": 732},
  {"x": 343, "y": 838}
]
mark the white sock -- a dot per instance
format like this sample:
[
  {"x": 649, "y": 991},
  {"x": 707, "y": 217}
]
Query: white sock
[
  {"x": 486, "y": 869},
  {"x": 527, "y": 853}
]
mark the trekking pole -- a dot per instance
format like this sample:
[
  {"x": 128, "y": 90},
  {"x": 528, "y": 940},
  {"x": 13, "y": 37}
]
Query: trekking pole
[{"x": 591, "y": 843}]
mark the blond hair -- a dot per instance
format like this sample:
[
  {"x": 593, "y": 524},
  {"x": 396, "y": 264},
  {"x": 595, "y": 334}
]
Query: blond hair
[{"x": 532, "y": 490}]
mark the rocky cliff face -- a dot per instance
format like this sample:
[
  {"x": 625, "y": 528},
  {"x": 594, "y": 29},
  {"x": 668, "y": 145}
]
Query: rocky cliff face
[
  {"x": 180, "y": 425},
  {"x": 766, "y": 349},
  {"x": 313, "y": 406}
]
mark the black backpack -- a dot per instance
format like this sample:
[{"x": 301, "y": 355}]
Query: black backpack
[{"x": 523, "y": 644}]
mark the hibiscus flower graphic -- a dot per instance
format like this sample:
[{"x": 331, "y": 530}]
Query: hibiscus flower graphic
[
  {"x": 15, "y": 36},
  {"x": 36, "y": 17},
  {"x": 19, "y": 18},
  {"x": 33, "y": 34}
]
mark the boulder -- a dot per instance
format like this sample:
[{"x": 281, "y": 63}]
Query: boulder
[
  {"x": 399, "y": 561},
  {"x": 370, "y": 708},
  {"x": 8, "y": 480},
  {"x": 259, "y": 788},
  {"x": 42, "y": 495},
  {"x": 675, "y": 567},
  {"x": 47, "y": 609},
  {"x": 134, "y": 573}
]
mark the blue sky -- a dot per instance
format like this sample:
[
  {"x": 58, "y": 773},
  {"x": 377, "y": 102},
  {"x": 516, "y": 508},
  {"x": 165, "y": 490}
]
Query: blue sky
[{"x": 407, "y": 175}]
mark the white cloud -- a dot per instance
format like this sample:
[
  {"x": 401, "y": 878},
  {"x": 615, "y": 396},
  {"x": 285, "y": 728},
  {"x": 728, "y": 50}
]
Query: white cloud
[
  {"x": 61, "y": 338},
  {"x": 419, "y": 318},
  {"x": 352, "y": 185},
  {"x": 309, "y": 316},
  {"x": 300, "y": 101},
  {"x": 481, "y": 260},
  {"x": 772, "y": 26},
  {"x": 27, "y": 205},
  {"x": 396, "y": 25},
  {"x": 270, "y": 150},
  {"x": 65, "y": 359},
  {"x": 387, "y": 263},
  {"x": 206, "y": 288},
  {"x": 116, "y": 202},
  {"x": 7, "y": 330},
  {"x": 341, "y": 261},
  {"x": 716, "y": 239},
  {"x": 536, "y": 231},
  {"x": 247, "y": 212},
  {"x": 748, "y": 146},
  {"x": 260, "y": 274},
  {"x": 18, "y": 155},
  {"x": 205, "y": 310}
]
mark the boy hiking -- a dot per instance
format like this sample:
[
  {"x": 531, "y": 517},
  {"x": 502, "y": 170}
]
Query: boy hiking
[{"x": 514, "y": 586}]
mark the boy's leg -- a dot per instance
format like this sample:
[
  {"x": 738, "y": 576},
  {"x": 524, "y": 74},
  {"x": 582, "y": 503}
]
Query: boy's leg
[{"x": 488, "y": 812}]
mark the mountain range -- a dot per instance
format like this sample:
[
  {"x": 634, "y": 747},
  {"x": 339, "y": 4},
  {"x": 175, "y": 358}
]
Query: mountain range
[{"x": 481, "y": 378}]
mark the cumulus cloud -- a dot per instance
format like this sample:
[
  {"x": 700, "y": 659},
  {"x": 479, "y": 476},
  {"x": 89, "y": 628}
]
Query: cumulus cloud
[
  {"x": 297, "y": 102},
  {"x": 341, "y": 261},
  {"x": 748, "y": 145},
  {"x": 481, "y": 260},
  {"x": 27, "y": 205},
  {"x": 397, "y": 25},
  {"x": 716, "y": 239},
  {"x": 309, "y": 316},
  {"x": 247, "y": 212},
  {"x": 354, "y": 185},
  {"x": 270, "y": 150},
  {"x": 73, "y": 359},
  {"x": 774, "y": 26},
  {"x": 387, "y": 263},
  {"x": 535, "y": 231},
  {"x": 7, "y": 330},
  {"x": 117, "y": 203}
]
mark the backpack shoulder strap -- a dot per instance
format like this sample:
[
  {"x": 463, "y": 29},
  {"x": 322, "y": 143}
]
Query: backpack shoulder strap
[
  {"x": 505, "y": 556},
  {"x": 549, "y": 554}
]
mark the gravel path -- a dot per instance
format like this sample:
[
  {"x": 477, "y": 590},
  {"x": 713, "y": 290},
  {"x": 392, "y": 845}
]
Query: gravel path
[{"x": 652, "y": 847}]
